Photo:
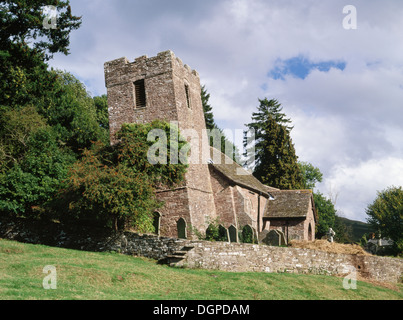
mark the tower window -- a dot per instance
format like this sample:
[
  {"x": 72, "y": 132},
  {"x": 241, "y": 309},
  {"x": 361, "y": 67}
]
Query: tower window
[
  {"x": 140, "y": 94},
  {"x": 187, "y": 95}
]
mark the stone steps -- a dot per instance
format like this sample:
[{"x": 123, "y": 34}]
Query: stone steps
[{"x": 177, "y": 256}]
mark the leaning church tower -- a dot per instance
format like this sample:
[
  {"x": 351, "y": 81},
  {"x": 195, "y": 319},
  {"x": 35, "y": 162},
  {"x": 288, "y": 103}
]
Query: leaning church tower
[{"x": 163, "y": 88}]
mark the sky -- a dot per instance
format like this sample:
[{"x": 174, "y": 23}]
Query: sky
[{"x": 338, "y": 74}]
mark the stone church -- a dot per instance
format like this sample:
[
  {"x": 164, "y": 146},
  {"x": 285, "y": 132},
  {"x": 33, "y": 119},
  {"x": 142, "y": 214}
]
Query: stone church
[{"x": 215, "y": 187}]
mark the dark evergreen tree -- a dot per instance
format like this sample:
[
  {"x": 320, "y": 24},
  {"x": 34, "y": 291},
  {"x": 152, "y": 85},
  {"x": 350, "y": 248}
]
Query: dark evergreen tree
[
  {"x": 208, "y": 110},
  {"x": 217, "y": 135},
  {"x": 23, "y": 22},
  {"x": 25, "y": 47},
  {"x": 271, "y": 150}
]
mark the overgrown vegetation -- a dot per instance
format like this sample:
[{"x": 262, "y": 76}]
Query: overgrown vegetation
[
  {"x": 55, "y": 158},
  {"x": 115, "y": 185}
]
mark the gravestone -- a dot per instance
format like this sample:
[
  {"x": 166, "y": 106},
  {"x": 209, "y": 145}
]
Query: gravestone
[
  {"x": 274, "y": 238},
  {"x": 233, "y": 234}
]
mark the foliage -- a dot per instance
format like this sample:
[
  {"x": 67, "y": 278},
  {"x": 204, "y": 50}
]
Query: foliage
[
  {"x": 46, "y": 116},
  {"x": 136, "y": 151},
  {"x": 344, "y": 232},
  {"x": 216, "y": 232},
  {"x": 115, "y": 186},
  {"x": 35, "y": 179},
  {"x": 24, "y": 76},
  {"x": 272, "y": 148},
  {"x": 16, "y": 128},
  {"x": 72, "y": 112},
  {"x": 25, "y": 46},
  {"x": 385, "y": 214},
  {"x": 328, "y": 218},
  {"x": 38, "y": 143},
  {"x": 326, "y": 214},
  {"x": 217, "y": 136},
  {"x": 111, "y": 195},
  {"x": 246, "y": 235},
  {"x": 310, "y": 175},
  {"x": 101, "y": 107},
  {"x": 22, "y": 23},
  {"x": 207, "y": 109}
]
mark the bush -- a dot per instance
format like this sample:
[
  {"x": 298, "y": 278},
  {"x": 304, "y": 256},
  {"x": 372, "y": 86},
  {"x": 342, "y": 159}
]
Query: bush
[{"x": 115, "y": 186}]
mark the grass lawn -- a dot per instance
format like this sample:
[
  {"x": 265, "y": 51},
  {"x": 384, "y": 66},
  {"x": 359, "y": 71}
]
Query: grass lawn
[{"x": 110, "y": 276}]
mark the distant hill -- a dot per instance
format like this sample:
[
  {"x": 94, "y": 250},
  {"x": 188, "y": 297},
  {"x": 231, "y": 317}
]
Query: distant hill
[{"x": 358, "y": 228}]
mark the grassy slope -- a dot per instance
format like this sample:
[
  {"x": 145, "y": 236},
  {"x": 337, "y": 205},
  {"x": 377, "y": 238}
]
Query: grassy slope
[{"x": 86, "y": 275}]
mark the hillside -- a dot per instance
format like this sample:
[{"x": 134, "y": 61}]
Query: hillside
[
  {"x": 358, "y": 228},
  {"x": 110, "y": 276}
]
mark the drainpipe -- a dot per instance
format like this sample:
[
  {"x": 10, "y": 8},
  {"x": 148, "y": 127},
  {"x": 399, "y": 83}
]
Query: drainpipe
[{"x": 258, "y": 213}]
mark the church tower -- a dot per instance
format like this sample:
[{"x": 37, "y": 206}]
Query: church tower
[{"x": 163, "y": 88}]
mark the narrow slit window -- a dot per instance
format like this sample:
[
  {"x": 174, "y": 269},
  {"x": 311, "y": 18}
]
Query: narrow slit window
[
  {"x": 187, "y": 95},
  {"x": 140, "y": 94}
]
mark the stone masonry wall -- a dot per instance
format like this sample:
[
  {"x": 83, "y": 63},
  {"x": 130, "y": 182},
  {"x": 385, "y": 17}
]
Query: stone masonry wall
[
  {"x": 261, "y": 258},
  {"x": 88, "y": 238},
  {"x": 172, "y": 94},
  {"x": 224, "y": 256}
]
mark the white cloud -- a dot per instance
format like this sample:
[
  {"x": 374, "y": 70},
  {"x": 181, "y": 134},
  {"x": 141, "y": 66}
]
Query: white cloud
[
  {"x": 348, "y": 123},
  {"x": 356, "y": 186}
]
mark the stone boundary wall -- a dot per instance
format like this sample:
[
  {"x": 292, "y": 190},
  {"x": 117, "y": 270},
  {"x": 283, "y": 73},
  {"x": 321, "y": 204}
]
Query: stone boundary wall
[
  {"x": 224, "y": 256},
  {"x": 88, "y": 238},
  {"x": 261, "y": 258}
]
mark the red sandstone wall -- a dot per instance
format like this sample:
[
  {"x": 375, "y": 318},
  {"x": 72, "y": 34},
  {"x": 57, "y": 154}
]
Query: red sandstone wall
[{"x": 165, "y": 78}]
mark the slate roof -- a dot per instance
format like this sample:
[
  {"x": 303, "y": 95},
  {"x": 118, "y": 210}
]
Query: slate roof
[
  {"x": 289, "y": 204},
  {"x": 236, "y": 173}
]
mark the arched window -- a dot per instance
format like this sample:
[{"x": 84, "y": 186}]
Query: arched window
[{"x": 181, "y": 226}]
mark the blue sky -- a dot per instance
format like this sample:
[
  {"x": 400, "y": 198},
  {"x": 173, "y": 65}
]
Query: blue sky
[
  {"x": 343, "y": 89},
  {"x": 300, "y": 67}
]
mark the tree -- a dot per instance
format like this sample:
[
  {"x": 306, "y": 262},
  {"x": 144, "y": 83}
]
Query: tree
[
  {"x": 25, "y": 46},
  {"x": 326, "y": 214},
  {"x": 310, "y": 175},
  {"x": 101, "y": 106},
  {"x": 38, "y": 142},
  {"x": 73, "y": 114},
  {"x": 33, "y": 180},
  {"x": 16, "y": 128},
  {"x": 269, "y": 108},
  {"x": 22, "y": 25},
  {"x": 216, "y": 134},
  {"x": 272, "y": 148},
  {"x": 207, "y": 109},
  {"x": 385, "y": 215},
  {"x": 115, "y": 185}
]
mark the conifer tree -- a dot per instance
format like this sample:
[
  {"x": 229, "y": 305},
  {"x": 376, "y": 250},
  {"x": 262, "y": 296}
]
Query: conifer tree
[
  {"x": 276, "y": 163},
  {"x": 208, "y": 110},
  {"x": 216, "y": 133}
]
